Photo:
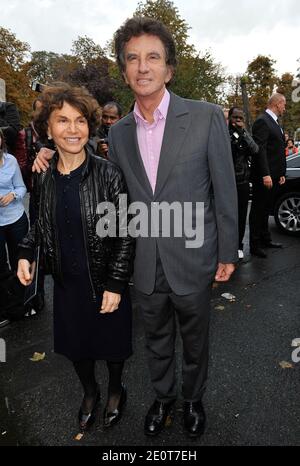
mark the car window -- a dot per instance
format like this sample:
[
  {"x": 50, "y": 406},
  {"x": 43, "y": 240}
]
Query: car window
[{"x": 293, "y": 161}]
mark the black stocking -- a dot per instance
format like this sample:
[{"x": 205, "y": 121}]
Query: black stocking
[
  {"x": 86, "y": 372},
  {"x": 114, "y": 385}
]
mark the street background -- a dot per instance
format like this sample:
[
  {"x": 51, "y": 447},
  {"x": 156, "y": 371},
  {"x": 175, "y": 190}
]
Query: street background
[{"x": 252, "y": 395}]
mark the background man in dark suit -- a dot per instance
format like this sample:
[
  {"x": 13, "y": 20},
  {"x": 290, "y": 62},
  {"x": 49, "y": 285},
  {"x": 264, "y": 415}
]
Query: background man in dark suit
[{"x": 268, "y": 172}]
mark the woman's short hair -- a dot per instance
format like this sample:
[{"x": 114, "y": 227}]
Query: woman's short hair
[
  {"x": 137, "y": 26},
  {"x": 53, "y": 97}
]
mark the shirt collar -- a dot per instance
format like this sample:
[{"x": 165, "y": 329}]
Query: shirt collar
[
  {"x": 272, "y": 114},
  {"x": 159, "y": 113}
]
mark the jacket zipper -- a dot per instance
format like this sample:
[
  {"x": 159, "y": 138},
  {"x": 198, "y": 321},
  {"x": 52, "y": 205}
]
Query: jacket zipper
[
  {"x": 85, "y": 241},
  {"x": 55, "y": 229}
]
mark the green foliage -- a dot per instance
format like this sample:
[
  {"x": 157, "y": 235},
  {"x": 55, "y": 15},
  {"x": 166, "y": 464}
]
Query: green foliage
[
  {"x": 291, "y": 118},
  {"x": 87, "y": 51},
  {"x": 12, "y": 50},
  {"x": 197, "y": 75},
  {"x": 166, "y": 12}
]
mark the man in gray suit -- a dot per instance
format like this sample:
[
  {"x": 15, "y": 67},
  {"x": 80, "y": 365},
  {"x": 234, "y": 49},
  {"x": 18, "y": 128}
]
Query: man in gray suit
[
  {"x": 174, "y": 150},
  {"x": 175, "y": 153}
]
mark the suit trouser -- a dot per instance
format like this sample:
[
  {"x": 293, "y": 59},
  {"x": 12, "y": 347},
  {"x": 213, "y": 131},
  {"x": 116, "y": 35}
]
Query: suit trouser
[
  {"x": 159, "y": 310},
  {"x": 259, "y": 214},
  {"x": 243, "y": 198}
]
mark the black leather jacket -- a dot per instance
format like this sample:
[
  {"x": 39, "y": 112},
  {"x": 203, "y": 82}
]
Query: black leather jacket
[
  {"x": 109, "y": 259},
  {"x": 243, "y": 147}
]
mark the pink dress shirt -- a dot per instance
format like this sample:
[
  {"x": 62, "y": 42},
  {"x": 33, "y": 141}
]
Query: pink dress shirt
[{"x": 150, "y": 136}]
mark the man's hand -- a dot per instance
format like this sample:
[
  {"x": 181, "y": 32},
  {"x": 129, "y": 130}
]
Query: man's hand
[
  {"x": 103, "y": 149},
  {"x": 41, "y": 161},
  {"x": 25, "y": 271},
  {"x": 110, "y": 302},
  {"x": 224, "y": 272},
  {"x": 7, "y": 199},
  {"x": 282, "y": 180},
  {"x": 268, "y": 183}
]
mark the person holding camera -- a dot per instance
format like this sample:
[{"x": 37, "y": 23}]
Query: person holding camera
[
  {"x": 243, "y": 148},
  {"x": 111, "y": 113}
]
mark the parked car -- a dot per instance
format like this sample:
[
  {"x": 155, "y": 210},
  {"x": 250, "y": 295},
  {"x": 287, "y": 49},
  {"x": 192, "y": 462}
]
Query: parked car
[{"x": 286, "y": 203}]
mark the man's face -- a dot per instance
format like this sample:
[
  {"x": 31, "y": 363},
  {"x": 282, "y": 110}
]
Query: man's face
[
  {"x": 109, "y": 116},
  {"x": 281, "y": 106},
  {"x": 146, "y": 71},
  {"x": 237, "y": 118}
]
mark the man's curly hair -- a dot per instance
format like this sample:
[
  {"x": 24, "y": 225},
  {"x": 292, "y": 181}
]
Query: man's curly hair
[{"x": 54, "y": 96}]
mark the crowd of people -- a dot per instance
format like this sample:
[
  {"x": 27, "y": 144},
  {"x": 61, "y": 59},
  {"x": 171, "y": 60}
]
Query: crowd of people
[{"x": 167, "y": 149}]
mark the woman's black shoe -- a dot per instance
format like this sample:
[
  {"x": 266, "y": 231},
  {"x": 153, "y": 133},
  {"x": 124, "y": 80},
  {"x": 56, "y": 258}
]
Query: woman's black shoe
[
  {"x": 86, "y": 420},
  {"x": 110, "y": 418}
]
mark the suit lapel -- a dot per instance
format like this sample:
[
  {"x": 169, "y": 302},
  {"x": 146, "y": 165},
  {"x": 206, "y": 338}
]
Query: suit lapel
[
  {"x": 177, "y": 124},
  {"x": 134, "y": 156},
  {"x": 275, "y": 125}
]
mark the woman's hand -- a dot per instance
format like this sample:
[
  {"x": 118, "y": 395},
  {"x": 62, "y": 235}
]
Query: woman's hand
[
  {"x": 7, "y": 199},
  {"x": 110, "y": 302},
  {"x": 25, "y": 271}
]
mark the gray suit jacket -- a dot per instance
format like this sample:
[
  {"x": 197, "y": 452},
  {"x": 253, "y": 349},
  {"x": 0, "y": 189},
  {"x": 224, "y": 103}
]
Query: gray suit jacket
[{"x": 195, "y": 166}]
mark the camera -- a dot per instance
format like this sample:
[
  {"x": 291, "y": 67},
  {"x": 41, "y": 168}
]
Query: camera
[
  {"x": 37, "y": 87},
  {"x": 103, "y": 141}
]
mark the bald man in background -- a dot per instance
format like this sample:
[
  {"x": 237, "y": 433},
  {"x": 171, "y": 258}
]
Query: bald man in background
[{"x": 267, "y": 173}]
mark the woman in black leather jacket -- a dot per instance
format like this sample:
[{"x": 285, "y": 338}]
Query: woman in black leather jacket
[
  {"x": 243, "y": 148},
  {"x": 91, "y": 268}
]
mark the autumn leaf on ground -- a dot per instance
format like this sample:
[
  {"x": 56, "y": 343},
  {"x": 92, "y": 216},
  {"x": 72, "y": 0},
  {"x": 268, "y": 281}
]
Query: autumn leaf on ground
[
  {"x": 78, "y": 437},
  {"x": 286, "y": 365},
  {"x": 37, "y": 357}
]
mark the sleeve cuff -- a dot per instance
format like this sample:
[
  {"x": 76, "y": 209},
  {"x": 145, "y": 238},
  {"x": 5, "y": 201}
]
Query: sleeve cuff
[
  {"x": 115, "y": 286},
  {"x": 25, "y": 254}
]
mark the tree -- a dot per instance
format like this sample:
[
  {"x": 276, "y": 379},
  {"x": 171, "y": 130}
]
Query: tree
[
  {"x": 14, "y": 69},
  {"x": 167, "y": 13},
  {"x": 291, "y": 117},
  {"x": 261, "y": 81},
  {"x": 197, "y": 75},
  {"x": 43, "y": 66},
  {"x": 87, "y": 51},
  {"x": 96, "y": 79},
  {"x": 13, "y": 51}
]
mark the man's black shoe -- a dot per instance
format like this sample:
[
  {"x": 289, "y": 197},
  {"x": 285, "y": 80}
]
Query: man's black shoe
[
  {"x": 258, "y": 252},
  {"x": 270, "y": 244},
  {"x": 194, "y": 418},
  {"x": 157, "y": 416}
]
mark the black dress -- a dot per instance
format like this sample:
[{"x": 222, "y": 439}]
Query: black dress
[{"x": 80, "y": 331}]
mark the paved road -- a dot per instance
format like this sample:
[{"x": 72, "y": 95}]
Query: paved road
[{"x": 250, "y": 398}]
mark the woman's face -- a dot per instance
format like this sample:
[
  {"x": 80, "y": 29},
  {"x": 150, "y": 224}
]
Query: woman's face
[{"x": 69, "y": 129}]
